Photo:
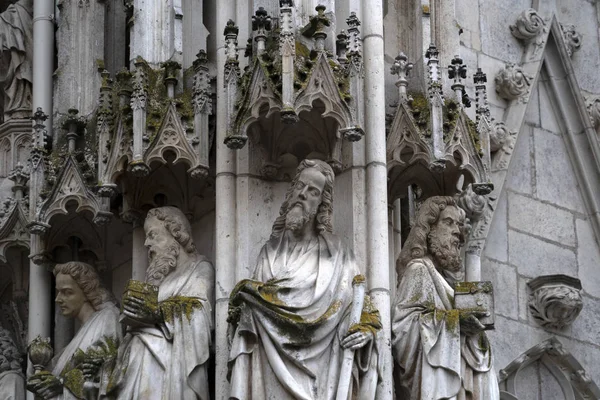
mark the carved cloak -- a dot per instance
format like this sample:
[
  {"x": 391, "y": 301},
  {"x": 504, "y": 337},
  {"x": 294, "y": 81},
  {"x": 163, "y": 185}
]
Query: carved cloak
[
  {"x": 434, "y": 361},
  {"x": 293, "y": 316},
  {"x": 169, "y": 361},
  {"x": 102, "y": 324}
]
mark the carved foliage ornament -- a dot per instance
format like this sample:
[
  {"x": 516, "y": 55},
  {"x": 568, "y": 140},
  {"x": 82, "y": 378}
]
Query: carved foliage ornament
[
  {"x": 512, "y": 83},
  {"x": 555, "y": 301},
  {"x": 529, "y": 25},
  {"x": 571, "y": 37},
  {"x": 593, "y": 106}
]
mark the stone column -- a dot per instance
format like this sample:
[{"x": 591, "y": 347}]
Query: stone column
[
  {"x": 377, "y": 209},
  {"x": 81, "y": 32},
  {"x": 43, "y": 56},
  {"x": 225, "y": 212},
  {"x": 139, "y": 254},
  {"x": 156, "y": 25},
  {"x": 40, "y": 300}
]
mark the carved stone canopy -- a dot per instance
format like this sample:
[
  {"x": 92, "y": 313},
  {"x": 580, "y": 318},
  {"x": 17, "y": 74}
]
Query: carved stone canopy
[
  {"x": 555, "y": 300},
  {"x": 286, "y": 78}
]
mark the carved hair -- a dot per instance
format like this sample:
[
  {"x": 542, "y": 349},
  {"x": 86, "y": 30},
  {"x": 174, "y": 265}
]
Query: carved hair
[
  {"x": 10, "y": 358},
  {"x": 177, "y": 225},
  {"x": 88, "y": 280},
  {"x": 324, "y": 216},
  {"x": 416, "y": 242}
]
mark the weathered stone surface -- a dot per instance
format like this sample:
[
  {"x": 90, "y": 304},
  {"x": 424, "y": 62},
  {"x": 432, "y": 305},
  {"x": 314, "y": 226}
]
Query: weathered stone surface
[
  {"x": 548, "y": 117},
  {"x": 519, "y": 176},
  {"x": 523, "y": 296},
  {"x": 588, "y": 258},
  {"x": 504, "y": 279},
  {"x": 587, "y": 325},
  {"x": 549, "y": 387},
  {"x": 540, "y": 219},
  {"x": 532, "y": 115},
  {"x": 496, "y": 38},
  {"x": 555, "y": 178},
  {"x": 496, "y": 244},
  {"x": 534, "y": 257}
]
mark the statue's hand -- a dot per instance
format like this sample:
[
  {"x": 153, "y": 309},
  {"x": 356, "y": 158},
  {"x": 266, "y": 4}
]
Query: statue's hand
[
  {"x": 44, "y": 385},
  {"x": 90, "y": 367},
  {"x": 469, "y": 322},
  {"x": 137, "y": 309},
  {"x": 356, "y": 337}
]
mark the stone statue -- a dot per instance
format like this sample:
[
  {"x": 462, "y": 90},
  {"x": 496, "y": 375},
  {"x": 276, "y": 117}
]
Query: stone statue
[
  {"x": 440, "y": 352},
  {"x": 290, "y": 322},
  {"x": 165, "y": 352},
  {"x": 12, "y": 380},
  {"x": 80, "y": 295},
  {"x": 16, "y": 44}
]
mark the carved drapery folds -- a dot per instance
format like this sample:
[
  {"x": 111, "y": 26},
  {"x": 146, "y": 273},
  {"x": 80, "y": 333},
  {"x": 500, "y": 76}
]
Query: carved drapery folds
[
  {"x": 573, "y": 380},
  {"x": 555, "y": 300},
  {"x": 294, "y": 86}
]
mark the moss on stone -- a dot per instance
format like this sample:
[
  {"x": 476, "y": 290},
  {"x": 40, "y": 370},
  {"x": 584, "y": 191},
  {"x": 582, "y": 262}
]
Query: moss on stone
[{"x": 178, "y": 306}]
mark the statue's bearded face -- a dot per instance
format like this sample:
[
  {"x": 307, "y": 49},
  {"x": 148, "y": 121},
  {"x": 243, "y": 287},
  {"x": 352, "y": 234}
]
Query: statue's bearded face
[
  {"x": 444, "y": 239},
  {"x": 305, "y": 199},
  {"x": 163, "y": 250},
  {"x": 69, "y": 296}
]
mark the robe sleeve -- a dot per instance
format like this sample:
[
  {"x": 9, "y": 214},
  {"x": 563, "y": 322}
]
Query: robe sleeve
[{"x": 426, "y": 336}]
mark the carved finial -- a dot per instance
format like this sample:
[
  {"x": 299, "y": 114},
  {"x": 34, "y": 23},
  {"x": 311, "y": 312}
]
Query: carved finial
[
  {"x": 316, "y": 28},
  {"x": 170, "y": 76},
  {"x": 286, "y": 3},
  {"x": 512, "y": 83},
  {"x": 483, "y": 108},
  {"x": 458, "y": 71},
  {"x": 342, "y": 43},
  {"x": 74, "y": 126},
  {"x": 41, "y": 139},
  {"x": 19, "y": 175},
  {"x": 355, "y": 49},
  {"x": 402, "y": 68},
  {"x": 571, "y": 37},
  {"x": 261, "y": 24}
]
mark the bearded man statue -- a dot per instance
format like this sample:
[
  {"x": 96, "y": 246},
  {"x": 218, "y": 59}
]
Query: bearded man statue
[
  {"x": 440, "y": 352},
  {"x": 79, "y": 295},
  {"x": 290, "y": 322},
  {"x": 165, "y": 352},
  {"x": 12, "y": 380}
]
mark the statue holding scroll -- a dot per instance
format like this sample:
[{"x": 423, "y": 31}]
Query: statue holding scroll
[
  {"x": 80, "y": 295},
  {"x": 439, "y": 344},
  {"x": 291, "y": 322},
  {"x": 165, "y": 352}
]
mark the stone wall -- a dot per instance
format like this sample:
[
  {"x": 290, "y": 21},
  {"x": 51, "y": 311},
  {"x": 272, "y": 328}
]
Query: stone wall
[{"x": 541, "y": 227}]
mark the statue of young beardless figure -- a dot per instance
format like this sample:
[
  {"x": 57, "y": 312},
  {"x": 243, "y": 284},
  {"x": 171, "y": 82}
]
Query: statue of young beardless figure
[
  {"x": 80, "y": 295},
  {"x": 290, "y": 322},
  {"x": 440, "y": 352},
  {"x": 165, "y": 352}
]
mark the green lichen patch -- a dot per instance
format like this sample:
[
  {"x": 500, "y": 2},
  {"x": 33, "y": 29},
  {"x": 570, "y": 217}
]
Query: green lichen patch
[{"x": 178, "y": 306}]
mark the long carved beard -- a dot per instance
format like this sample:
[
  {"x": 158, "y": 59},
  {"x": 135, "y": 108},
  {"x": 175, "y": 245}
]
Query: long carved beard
[
  {"x": 162, "y": 265},
  {"x": 445, "y": 254},
  {"x": 297, "y": 217}
]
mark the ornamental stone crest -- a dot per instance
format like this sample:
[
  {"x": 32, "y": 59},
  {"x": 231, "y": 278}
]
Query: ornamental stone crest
[{"x": 555, "y": 300}]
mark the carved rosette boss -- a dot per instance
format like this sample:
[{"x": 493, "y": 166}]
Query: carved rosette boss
[
  {"x": 512, "y": 83},
  {"x": 555, "y": 300},
  {"x": 529, "y": 28}
]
